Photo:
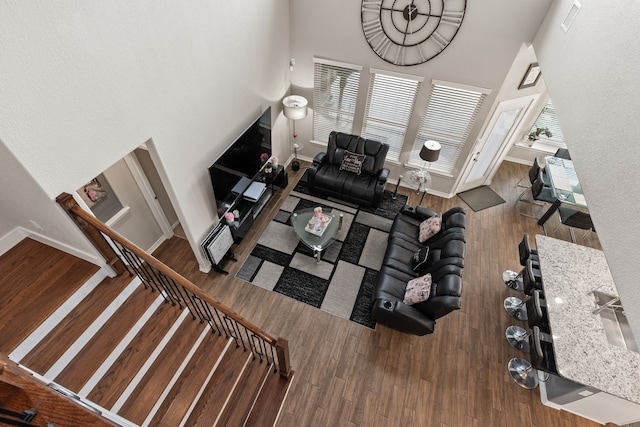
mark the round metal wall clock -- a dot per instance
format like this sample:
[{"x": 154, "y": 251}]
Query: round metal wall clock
[{"x": 410, "y": 32}]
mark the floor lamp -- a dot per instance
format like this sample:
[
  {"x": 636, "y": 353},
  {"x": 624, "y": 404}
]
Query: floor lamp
[
  {"x": 429, "y": 152},
  {"x": 295, "y": 108}
]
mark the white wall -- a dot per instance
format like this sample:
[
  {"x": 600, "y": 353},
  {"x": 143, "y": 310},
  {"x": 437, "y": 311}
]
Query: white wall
[
  {"x": 138, "y": 224},
  {"x": 87, "y": 82},
  {"x": 592, "y": 76},
  {"x": 22, "y": 200},
  {"x": 480, "y": 55}
]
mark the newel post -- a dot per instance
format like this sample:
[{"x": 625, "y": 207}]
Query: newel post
[
  {"x": 68, "y": 203},
  {"x": 284, "y": 364}
]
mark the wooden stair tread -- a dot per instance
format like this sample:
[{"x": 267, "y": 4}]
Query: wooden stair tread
[
  {"x": 151, "y": 386},
  {"x": 53, "y": 345},
  {"x": 40, "y": 281},
  {"x": 244, "y": 395},
  {"x": 269, "y": 402},
  {"x": 127, "y": 365},
  {"x": 93, "y": 354},
  {"x": 185, "y": 390},
  {"x": 220, "y": 386}
]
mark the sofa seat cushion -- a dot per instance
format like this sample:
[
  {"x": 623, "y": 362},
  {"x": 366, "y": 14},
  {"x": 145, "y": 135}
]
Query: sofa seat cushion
[
  {"x": 420, "y": 259},
  {"x": 407, "y": 227},
  {"x": 344, "y": 184},
  {"x": 391, "y": 284},
  {"x": 399, "y": 254}
]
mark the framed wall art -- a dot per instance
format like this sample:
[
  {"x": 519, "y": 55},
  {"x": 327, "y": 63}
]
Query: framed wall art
[{"x": 531, "y": 76}]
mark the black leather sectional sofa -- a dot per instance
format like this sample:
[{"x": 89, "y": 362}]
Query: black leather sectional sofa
[
  {"x": 445, "y": 262},
  {"x": 360, "y": 180}
]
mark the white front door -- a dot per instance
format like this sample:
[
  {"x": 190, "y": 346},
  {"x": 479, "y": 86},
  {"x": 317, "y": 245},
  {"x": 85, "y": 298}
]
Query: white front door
[{"x": 491, "y": 149}]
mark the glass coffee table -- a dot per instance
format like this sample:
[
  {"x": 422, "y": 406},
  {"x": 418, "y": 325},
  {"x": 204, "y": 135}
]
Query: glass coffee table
[{"x": 300, "y": 220}]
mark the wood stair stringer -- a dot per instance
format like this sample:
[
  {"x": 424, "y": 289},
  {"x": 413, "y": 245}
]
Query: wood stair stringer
[{"x": 205, "y": 371}]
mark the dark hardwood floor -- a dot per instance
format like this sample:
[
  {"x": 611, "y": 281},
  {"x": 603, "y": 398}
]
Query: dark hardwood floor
[
  {"x": 349, "y": 375},
  {"x": 53, "y": 276}
]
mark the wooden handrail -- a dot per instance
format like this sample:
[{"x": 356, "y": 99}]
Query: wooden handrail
[
  {"x": 20, "y": 390},
  {"x": 84, "y": 218}
]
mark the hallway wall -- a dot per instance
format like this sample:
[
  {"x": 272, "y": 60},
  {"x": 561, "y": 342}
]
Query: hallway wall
[{"x": 88, "y": 82}]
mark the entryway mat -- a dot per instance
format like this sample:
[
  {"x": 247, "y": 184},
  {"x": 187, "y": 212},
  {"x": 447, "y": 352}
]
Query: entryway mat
[{"x": 481, "y": 198}]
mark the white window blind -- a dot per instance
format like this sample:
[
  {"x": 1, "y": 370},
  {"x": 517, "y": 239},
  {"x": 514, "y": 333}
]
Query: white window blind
[
  {"x": 548, "y": 119},
  {"x": 335, "y": 93},
  {"x": 389, "y": 105},
  {"x": 450, "y": 114}
]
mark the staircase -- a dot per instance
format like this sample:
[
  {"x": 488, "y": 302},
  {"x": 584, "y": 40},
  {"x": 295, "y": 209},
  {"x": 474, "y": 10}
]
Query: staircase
[{"x": 124, "y": 350}]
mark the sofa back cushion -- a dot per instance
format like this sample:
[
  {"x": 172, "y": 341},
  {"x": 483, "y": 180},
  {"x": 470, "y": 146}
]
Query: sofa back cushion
[
  {"x": 375, "y": 152},
  {"x": 444, "y": 298}
]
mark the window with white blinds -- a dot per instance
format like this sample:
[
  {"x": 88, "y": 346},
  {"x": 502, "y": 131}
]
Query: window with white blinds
[
  {"x": 390, "y": 102},
  {"x": 548, "y": 120},
  {"x": 335, "y": 94},
  {"x": 450, "y": 114}
]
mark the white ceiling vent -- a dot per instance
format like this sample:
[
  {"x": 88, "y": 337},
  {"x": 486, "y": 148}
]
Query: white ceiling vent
[{"x": 571, "y": 16}]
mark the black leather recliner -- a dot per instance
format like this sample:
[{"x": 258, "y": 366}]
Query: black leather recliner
[
  {"x": 325, "y": 175},
  {"x": 445, "y": 262}
]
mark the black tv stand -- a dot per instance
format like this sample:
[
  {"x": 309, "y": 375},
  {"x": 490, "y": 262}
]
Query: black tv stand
[
  {"x": 217, "y": 246},
  {"x": 249, "y": 210}
]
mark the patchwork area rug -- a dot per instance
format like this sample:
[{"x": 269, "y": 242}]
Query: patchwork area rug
[{"x": 342, "y": 283}]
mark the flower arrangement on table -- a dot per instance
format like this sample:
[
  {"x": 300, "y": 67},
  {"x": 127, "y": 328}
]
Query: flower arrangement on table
[
  {"x": 535, "y": 135},
  {"x": 418, "y": 177},
  {"x": 318, "y": 222}
]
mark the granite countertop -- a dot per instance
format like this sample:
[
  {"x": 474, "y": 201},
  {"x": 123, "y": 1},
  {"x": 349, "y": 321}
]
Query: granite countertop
[{"x": 569, "y": 273}]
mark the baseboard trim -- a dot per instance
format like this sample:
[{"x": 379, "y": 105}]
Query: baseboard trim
[
  {"x": 93, "y": 259},
  {"x": 11, "y": 239},
  {"x": 18, "y": 234}
]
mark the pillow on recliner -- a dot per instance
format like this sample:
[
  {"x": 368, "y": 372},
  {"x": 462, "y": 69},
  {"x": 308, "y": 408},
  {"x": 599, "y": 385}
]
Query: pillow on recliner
[
  {"x": 419, "y": 258},
  {"x": 418, "y": 290},
  {"x": 352, "y": 162},
  {"x": 429, "y": 228}
]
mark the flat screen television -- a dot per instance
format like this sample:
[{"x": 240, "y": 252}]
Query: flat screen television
[{"x": 241, "y": 159}]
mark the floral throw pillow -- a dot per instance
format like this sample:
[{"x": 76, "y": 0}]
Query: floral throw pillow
[
  {"x": 429, "y": 228},
  {"x": 352, "y": 162},
  {"x": 418, "y": 290}
]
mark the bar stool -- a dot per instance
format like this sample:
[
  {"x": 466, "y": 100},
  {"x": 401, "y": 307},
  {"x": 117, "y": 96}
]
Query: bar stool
[
  {"x": 513, "y": 279},
  {"x": 523, "y": 373},
  {"x": 542, "y": 357},
  {"x": 518, "y": 337},
  {"x": 531, "y": 279},
  {"x": 537, "y": 312},
  {"x": 526, "y": 252}
]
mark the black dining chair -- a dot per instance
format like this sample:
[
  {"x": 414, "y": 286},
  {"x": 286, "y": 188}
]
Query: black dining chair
[
  {"x": 576, "y": 219},
  {"x": 532, "y": 175},
  {"x": 540, "y": 192},
  {"x": 563, "y": 153}
]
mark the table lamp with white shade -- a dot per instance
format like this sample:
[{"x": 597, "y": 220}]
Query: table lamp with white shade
[
  {"x": 295, "y": 108},
  {"x": 429, "y": 152}
]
